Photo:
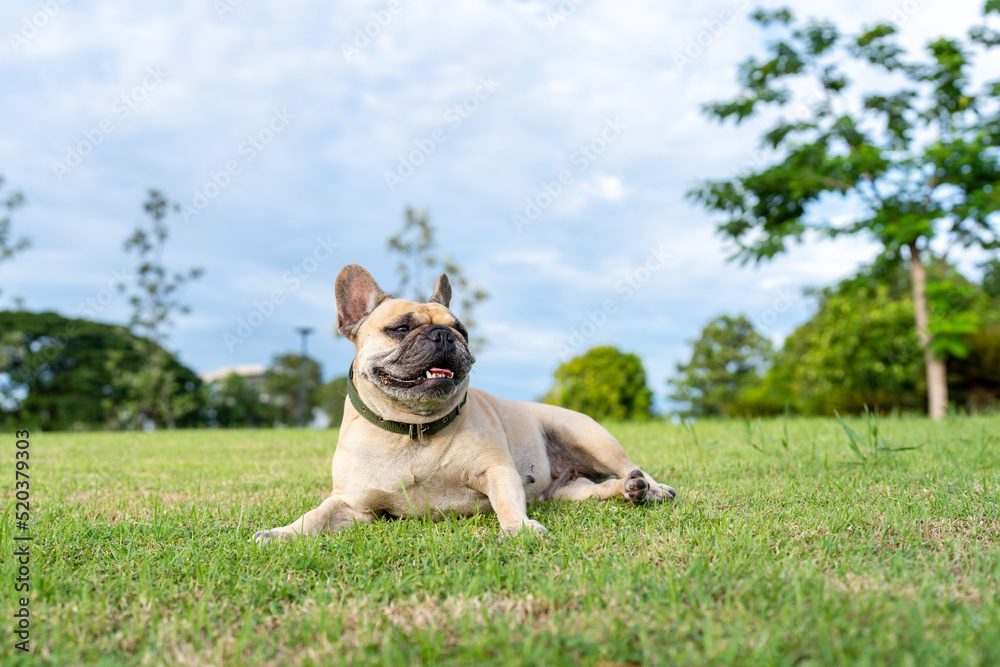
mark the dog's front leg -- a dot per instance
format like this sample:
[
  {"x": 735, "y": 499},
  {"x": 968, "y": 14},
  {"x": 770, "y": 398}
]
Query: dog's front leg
[
  {"x": 332, "y": 515},
  {"x": 502, "y": 485}
]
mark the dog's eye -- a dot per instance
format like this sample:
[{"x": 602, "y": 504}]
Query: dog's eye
[{"x": 402, "y": 329}]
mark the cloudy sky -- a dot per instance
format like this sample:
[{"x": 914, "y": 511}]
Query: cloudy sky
[{"x": 296, "y": 133}]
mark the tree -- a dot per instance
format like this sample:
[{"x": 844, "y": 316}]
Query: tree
[
  {"x": 920, "y": 159},
  {"x": 991, "y": 278},
  {"x": 149, "y": 391},
  {"x": 860, "y": 350},
  {"x": 977, "y": 375},
  {"x": 8, "y": 246},
  {"x": 729, "y": 358},
  {"x": 604, "y": 383},
  {"x": 57, "y": 377},
  {"x": 235, "y": 403},
  {"x": 417, "y": 248},
  {"x": 281, "y": 384},
  {"x": 331, "y": 397}
]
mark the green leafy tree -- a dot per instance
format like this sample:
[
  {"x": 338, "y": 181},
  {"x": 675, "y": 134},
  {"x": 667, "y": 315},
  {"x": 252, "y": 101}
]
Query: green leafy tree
[
  {"x": 419, "y": 263},
  {"x": 919, "y": 157},
  {"x": 604, "y": 383},
  {"x": 991, "y": 280},
  {"x": 977, "y": 374},
  {"x": 281, "y": 385},
  {"x": 57, "y": 376},
  {"x": 8, "y": 246},
  {"x": 150, "y": 395},
  {"x": 728, "y": 359},
  {"x": 860, "y": 350},
  {"x": 235, "y": 403},
  {"x": 331, "y": 397}
]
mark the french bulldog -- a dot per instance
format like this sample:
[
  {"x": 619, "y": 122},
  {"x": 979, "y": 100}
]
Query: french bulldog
[{"x": 417, "y": 441}]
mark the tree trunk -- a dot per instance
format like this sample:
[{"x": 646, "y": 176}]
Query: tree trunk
[{"x": 937, "y": 377}]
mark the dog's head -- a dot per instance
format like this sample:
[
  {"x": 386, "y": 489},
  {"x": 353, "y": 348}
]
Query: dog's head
[{"x": 416, "y": 355}]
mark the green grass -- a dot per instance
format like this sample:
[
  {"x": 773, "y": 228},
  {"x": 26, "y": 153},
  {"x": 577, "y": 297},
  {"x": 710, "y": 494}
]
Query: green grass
[{"x": 789, "y": 543}]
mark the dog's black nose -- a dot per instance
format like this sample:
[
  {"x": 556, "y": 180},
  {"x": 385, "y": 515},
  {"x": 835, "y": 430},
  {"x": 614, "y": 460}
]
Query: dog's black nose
[{"x": 442, "y": 336}]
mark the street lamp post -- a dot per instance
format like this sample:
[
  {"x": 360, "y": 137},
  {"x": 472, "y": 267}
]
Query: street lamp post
[{"x": 304, "y": 332}]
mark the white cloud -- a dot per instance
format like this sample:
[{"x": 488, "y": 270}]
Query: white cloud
[{"x": 611, "y": 187}]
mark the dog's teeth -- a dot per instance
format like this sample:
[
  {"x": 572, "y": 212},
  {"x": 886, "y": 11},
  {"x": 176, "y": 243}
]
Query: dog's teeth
[{"x": 429, "y": 374}]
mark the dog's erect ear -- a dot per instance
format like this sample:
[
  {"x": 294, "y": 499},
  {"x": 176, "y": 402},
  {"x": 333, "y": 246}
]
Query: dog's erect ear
[
  {"x": 357, "y": 295},
  {"x": 442, "y": 291}
]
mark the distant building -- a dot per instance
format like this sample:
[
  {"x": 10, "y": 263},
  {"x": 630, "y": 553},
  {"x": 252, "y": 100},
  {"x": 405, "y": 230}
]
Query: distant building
[{"x": 252, "y": 374}]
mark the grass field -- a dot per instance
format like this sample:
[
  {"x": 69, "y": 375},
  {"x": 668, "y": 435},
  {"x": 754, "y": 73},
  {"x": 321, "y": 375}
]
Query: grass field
[{"x": 786, "y": 545}]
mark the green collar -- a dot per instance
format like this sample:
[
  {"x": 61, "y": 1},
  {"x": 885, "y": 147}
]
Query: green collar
[{"x": 415, "y": 431}]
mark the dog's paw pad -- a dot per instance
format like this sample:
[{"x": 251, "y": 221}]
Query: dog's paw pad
[{"x": 636, "y": 487}]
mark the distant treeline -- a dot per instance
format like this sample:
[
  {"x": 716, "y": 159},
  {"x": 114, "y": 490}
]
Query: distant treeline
[
  {"x": 61, "y": 374},
  {"x": 859, "y": 349}
]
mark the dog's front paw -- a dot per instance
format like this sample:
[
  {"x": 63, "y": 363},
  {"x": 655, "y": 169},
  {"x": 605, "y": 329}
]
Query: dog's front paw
[
  {"x": 659, "y": 492},
  {"x": 273, "y": 535},
  {"x": 636, "y": 487},
  {"x": 639, "y": 488},
  {"x": 528, "y": 525},
  {"x": 666, "y": 492}
]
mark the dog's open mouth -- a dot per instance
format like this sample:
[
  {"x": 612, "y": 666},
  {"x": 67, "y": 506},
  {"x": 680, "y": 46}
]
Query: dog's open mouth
[{"x": 435, "y": 375}]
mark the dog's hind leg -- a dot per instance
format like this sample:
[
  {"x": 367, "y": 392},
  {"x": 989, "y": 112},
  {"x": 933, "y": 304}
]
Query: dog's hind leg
[
  {"x": 333, "y": 514},
  {"x": 634, "y": 488},
  {"x": 584, "y": 489},
  {"x": 578, "y": 445}
]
